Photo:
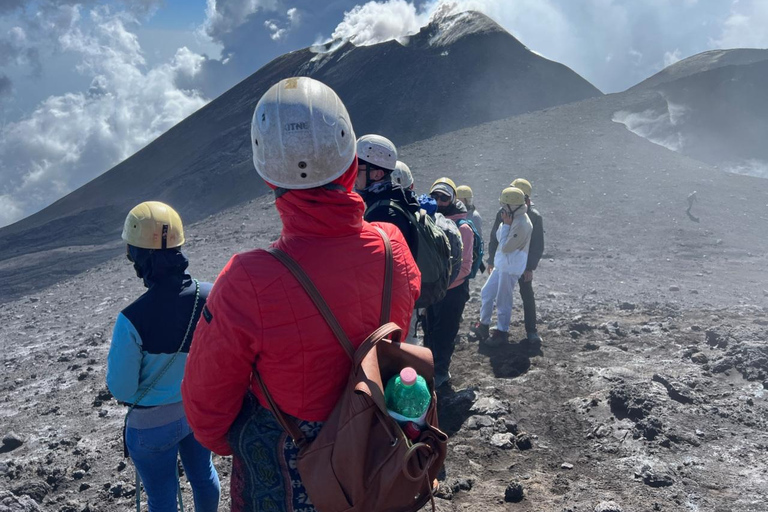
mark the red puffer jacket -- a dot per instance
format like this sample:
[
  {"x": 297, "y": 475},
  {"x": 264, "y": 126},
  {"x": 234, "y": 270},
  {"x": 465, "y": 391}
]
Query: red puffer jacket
[{"x": 259, "y": 315}]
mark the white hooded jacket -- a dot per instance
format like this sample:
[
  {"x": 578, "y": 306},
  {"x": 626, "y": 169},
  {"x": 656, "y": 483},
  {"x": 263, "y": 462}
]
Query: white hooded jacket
[{"x": 512, "y": 255}]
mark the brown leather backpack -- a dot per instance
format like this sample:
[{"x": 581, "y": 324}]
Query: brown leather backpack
[{"x": 361, "y": 461}]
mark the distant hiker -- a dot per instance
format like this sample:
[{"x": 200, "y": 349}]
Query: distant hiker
[
  {"x": 444, "y": 317},
  {"x": 691, "y": 200},
  {"x": 259, "y": 322},
  {"x": 465, "y": 195},
  {"x": 376, "y": 160},
  {"x": 145, "y": 366},
  {"x": 402, "y": 176},
  {"x": 535, "y": 252},
  {"x": 514, "y": 236}
]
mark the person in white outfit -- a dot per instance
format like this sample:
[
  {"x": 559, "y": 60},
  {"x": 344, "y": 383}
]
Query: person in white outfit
[{"x": 514, "y": 235}]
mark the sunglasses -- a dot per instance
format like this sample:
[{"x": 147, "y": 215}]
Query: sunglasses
[{"x": 437, "y": 196}]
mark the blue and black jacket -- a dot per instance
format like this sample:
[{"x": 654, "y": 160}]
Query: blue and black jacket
[{"x": 148, "y": 332}]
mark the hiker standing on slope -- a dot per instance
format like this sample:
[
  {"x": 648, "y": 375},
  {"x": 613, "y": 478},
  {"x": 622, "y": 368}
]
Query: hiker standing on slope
[
  {"x": 403, "y": 178},
  {"x": 465, "y": 195},
  {"x": 444, "y": 317},
  {"x": 146, "y": 361},
  {"x": 514, "y": 236},
  {"x": 535, "y": 252},
  {"x": 260, "y": 321},
  {"x": 385, "y": 201}
]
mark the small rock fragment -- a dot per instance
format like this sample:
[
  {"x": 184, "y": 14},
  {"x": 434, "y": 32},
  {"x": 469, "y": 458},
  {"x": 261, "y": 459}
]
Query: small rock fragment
[
  {"x": 504, "y": 441},
  {"x": 524, "y": 441},
  {"x": 699, "y": 358},
  {"x": 608, "y": 506},
  {"x": 514, "y": 493},
  {"x": 566, "y": 465},
  {"x": 674, "y": 288},
  {"x": 11, "y": 441}
]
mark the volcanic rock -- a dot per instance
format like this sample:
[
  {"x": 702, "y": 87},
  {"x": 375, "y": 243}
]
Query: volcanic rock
[
  {"x": 608, "y": 506},
  {"x": 11, "y": 441},
  {"x": 12, "y": 503},
  {"x": 489, "y": 406},
  {"x": 514, "y": 493},
  {"x": 656, "y": 477}
]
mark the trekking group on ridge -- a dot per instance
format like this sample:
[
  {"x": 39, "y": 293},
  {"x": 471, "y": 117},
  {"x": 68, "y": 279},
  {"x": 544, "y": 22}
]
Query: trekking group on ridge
[{"x": 263, "y": 364}]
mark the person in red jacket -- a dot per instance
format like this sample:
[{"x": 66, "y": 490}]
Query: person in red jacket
[{"x": 258, "y": 318}]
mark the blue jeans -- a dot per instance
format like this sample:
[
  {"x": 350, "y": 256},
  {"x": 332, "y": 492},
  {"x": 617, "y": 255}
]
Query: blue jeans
[{"x": 154, "y": 453}]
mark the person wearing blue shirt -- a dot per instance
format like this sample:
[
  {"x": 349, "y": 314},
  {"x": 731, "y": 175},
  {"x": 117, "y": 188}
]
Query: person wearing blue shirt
[{"x": 145, "y": 366}]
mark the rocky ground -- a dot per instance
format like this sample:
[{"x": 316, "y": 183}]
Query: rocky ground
[{"x": 644, "y": 396}]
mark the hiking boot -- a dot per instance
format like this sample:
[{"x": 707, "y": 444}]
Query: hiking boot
[
  {"x": 442, "y": 379},
  {"x": 498, "y": 338},
  {"x": 481, "y": 331},
  {"x": 534, "y": 337}
]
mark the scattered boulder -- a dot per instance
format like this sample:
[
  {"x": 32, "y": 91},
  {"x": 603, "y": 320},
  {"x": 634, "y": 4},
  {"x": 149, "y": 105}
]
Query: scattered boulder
[
  {"x": 608, "y": 506},
  {"x": 489, "y": 406},
  {"x": 37, "y": 490},
  {"x": 650, "y": 427},
  {"x": 566, "y": 465},
  {"x": 676, "y": 391},
  {"x": 656, "y": 477},
  {"x": 630, "y": 401},
  {"x": 12, "y": 503},
  {"x": 699, "y": 358},
  {"x": 715, "y": 339},
  {"x": 477, "y": 422},
  {"x": 11, "y": 441},
  {"x": 514, "y": 493},
  {"x": 503, "y": 441},
  {"x": 627, "y": 306},
  {"x": 674, "y": 288},
  {"x": 524, "y": 441}
]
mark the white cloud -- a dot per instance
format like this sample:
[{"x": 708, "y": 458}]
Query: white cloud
[
  {"x": 658, "y": 126},
  {"x": 376, "y": 22},
  {"x": 74, "y": 137},
  {"x": 224, "y": 16},
  {"x": 671, "y": 57},
  {"x": 757, "y": 168},
  {"x": 745, "y": 27}
]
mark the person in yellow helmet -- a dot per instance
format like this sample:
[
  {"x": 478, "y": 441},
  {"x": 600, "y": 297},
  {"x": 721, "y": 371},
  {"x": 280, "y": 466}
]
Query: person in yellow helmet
[
  {"x": 465, "y": 195},
  {"x": 535, "y": 252},
  {"x": 444, "y": 317},
  {"x": 514, "y": 235},
  {"x": 147, "y": 358}
]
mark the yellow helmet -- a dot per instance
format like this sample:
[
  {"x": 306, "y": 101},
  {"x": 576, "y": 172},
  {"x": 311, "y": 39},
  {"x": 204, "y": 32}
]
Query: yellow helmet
[
  {"x": 445, "y": 185},
  {"x": 464, "y": 192},
  {"x": 523, "y": 185},
  {"x": 153, "y": 225},
  {"x": 512, "y": 196}
]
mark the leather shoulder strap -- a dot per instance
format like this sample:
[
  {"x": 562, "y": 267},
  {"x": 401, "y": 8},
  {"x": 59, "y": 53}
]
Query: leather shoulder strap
[{"x": 386, "y": 305}]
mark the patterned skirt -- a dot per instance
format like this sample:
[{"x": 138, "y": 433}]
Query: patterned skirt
[{"x": 264, "y": 474}]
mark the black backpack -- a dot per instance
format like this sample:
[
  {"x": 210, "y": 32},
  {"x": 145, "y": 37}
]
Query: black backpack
[
  {"x": 433, "y": 255},
  {"x": 451, "y": 230}
]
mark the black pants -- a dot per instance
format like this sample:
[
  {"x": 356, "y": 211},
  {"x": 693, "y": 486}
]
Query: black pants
[
  {"x": 529, "y": 304},
  {"x": 443, "y": 321}
]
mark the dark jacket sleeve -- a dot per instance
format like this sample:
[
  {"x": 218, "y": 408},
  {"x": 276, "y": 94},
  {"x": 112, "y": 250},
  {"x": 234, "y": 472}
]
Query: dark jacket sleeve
[
  {"x": 536, "y": 249},
  {"x": 390, "y": 215},
  {"x": 493, "y": 244}
]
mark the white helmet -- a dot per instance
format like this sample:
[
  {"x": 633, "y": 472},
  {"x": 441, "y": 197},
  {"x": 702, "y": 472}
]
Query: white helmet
[
  {"x": 377, "y": 150},
  {"x": 402, "y": 175},
  {"x": 301, "y": 135}
]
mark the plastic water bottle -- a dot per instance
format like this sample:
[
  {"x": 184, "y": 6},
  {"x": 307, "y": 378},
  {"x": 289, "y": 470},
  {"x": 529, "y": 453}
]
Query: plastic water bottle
[{"x": 408, "y": 397}]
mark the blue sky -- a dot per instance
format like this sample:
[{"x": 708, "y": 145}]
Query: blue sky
[{"x": 86, "y": 83}]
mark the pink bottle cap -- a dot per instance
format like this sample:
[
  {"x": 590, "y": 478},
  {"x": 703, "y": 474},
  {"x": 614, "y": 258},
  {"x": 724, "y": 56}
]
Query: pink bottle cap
[{"x": 408, "y": 376}]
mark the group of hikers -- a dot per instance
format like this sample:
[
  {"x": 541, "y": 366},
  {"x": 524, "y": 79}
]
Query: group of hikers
[{"x": 193, "y": 361}]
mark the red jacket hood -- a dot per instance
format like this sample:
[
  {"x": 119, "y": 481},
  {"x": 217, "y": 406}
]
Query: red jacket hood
[{"x": 320, "y": 213}]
